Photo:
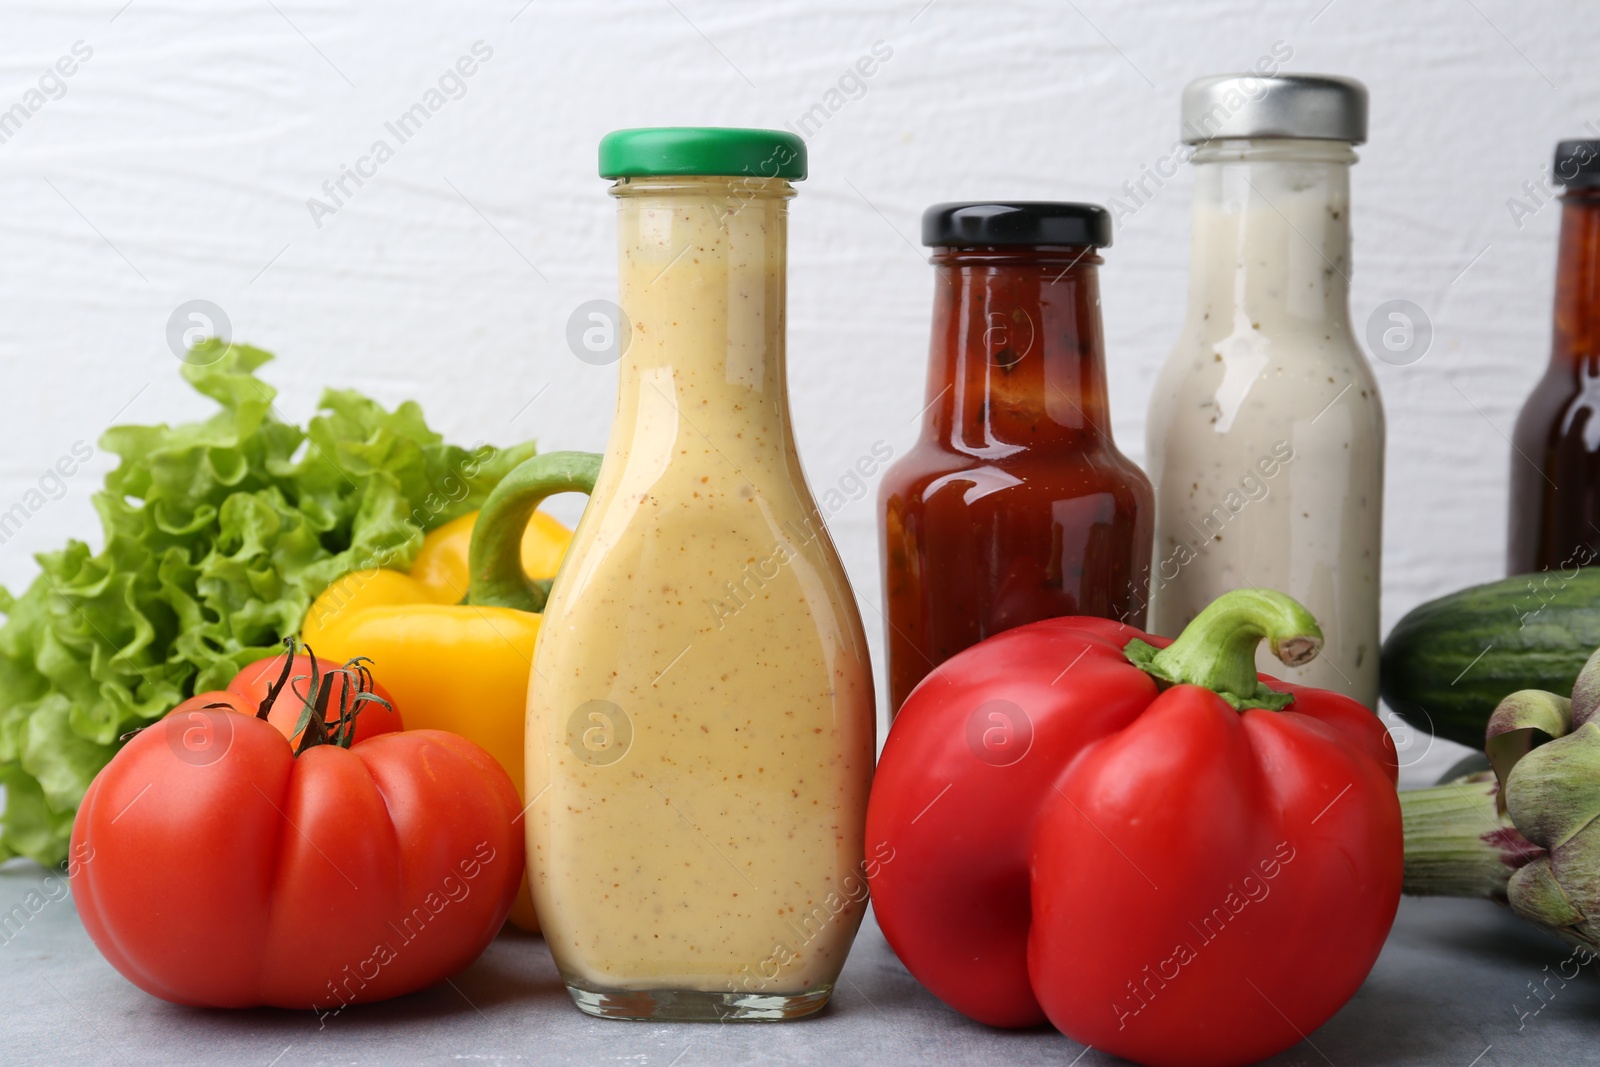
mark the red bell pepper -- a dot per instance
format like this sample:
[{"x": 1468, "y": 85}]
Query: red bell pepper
[{"x": 1167, "y": 856}]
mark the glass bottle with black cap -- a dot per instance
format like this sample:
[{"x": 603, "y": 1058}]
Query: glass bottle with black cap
[
  {"x": 1555, "y": 461},
  {"x": 1014, "y": 505}
]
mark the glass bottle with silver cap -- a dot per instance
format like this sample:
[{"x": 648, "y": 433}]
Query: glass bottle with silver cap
[{"x": 1266, "y": 431}]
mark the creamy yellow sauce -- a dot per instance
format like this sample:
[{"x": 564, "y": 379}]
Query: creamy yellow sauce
[{"x": 700, "y": 718}]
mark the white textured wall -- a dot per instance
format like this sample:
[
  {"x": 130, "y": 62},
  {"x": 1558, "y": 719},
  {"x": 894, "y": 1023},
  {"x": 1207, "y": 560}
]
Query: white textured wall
[{"x": 178, "y": 164}]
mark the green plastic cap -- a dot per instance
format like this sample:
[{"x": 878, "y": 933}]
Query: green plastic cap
[{"x": 704, "y": 150}]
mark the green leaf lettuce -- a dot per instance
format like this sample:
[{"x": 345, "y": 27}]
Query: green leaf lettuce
[{"x": 217, "y": 536}]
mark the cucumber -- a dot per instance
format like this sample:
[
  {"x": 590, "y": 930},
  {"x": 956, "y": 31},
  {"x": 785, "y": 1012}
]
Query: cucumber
[{"x": 1450, "y": 661}]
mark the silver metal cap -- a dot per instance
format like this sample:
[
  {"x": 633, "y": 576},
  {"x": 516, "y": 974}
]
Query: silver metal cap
[{"x": 1314, "y": 106}]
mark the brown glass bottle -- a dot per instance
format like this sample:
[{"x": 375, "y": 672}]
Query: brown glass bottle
[
  {"x": 1015, "y": 504},
  {"x": 1555, "y": 462}
]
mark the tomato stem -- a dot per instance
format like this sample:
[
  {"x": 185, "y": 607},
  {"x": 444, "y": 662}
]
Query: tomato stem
[
  {"x": 312, "y": 726},
  {"x": 1218, "y": 649},
  {"x": 283, "y": 680},
  {"x": 308, "y": 708}
]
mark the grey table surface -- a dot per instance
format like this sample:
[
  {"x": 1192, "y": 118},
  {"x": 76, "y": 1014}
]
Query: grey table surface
[{"x": 1455, "y": 987}]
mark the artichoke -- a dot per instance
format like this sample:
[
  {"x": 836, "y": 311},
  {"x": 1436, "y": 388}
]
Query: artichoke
[{"x": 1526, "y": 833}]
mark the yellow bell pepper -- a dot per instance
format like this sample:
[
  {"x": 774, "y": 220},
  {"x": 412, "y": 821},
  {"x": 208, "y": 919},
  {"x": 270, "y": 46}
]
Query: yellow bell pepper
[
  {"x": 441, "y": 564},
  {"x": 452, "y": 640}
]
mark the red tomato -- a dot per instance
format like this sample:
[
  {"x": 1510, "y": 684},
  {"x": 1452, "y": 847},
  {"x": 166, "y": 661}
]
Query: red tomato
[
  {"x": 253, "y": 682},
  {"x": 188, "y": 727},
  {"x": 225, "y": 871}
]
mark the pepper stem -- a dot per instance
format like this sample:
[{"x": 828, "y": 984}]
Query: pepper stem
[
  {"x": 1218, "y": 649},
  {"x": 495, "y": 557}
]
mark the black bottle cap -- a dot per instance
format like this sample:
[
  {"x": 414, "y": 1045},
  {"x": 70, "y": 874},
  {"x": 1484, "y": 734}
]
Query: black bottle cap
[
  {"x": 1577, "y": 165},
  {"x": 982, "y": 223}
]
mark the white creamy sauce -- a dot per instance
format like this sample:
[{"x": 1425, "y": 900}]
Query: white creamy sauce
[{"x": 1266, "y": 431}]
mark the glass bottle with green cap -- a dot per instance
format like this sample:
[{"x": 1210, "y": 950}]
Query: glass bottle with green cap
[{"x": 701, "y": 718}]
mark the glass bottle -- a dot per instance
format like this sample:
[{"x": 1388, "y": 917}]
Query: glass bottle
[
  {"x": 701, "y": 717},
  {"x": 1266, "y": 430},
  {"x": 1555, "y": 459},
  {"x": 1015, "y": 504}
]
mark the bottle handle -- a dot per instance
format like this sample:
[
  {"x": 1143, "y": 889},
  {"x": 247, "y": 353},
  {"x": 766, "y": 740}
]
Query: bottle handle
[{"x": 495, "y": 557}]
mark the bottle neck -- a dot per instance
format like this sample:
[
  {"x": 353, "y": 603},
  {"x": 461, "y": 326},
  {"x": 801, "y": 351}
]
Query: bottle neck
[
  {"x": 702, "y": 272},
  {"x": 1017, "y": 358},
  {"x": 1575, "y": 339},
  {"x": 1270, "y": 246}
]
